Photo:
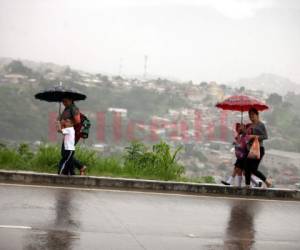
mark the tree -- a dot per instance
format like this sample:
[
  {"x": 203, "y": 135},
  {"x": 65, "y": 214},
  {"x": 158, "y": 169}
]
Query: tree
[
  {"x": 203, "y": 84},
  {"x": 223, "y": 87},
  {"x": 242, "y": 89},
  {"x": 17, "y": 67},
  {"x": 67, "y": 71},
  {"x": 274, "y": 99}
]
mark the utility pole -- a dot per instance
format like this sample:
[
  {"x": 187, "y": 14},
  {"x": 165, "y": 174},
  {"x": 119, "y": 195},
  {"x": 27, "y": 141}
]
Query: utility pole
[
  {"x": 145, "y": 66},
  {"x": 120, "y": 66}
]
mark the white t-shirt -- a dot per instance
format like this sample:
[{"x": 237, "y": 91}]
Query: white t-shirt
[{"x": 69, "y": 138}]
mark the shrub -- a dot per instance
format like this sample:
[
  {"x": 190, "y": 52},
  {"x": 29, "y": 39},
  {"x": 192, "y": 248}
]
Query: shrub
[
  {"x": 106, "y": 166},
  {"x": 86, "y": 156},
  {"x": 138, "y": 161},
  {"x": 11, "y": 159},
  {"x": 46, "y": 159},
  {"x": 158, "y": 163}
]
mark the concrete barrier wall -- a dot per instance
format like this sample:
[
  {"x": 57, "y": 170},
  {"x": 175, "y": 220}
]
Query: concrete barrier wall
[{"x": 23, "y": 177}]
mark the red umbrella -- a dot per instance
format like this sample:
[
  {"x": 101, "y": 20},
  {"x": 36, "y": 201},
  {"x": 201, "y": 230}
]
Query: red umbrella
[{"x": 241, "y": 103}]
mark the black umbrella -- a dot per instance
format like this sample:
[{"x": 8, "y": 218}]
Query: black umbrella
[{"x": 58, "y": 93}]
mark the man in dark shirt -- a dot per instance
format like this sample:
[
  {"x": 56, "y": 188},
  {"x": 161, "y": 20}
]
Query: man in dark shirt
[{"x": 73, "y": 113}]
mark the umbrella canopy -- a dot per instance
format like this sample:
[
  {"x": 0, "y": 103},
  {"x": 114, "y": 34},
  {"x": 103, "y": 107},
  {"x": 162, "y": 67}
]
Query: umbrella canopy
[
  {"x": 241, "y": 103},
  {"x": 57, "y": 93}
]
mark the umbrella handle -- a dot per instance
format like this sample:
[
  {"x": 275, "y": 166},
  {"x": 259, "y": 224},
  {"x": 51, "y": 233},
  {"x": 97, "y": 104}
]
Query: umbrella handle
[
  {"x": 242, "y": 117},
  {"x": 59, "y": 109}
]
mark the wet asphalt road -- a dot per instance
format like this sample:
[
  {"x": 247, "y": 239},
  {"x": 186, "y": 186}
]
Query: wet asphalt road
[{"x": 56, "y": 218}]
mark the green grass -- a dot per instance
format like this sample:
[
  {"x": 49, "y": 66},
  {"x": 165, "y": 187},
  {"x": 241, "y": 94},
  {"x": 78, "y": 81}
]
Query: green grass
[{"x": 137, "y": 161}]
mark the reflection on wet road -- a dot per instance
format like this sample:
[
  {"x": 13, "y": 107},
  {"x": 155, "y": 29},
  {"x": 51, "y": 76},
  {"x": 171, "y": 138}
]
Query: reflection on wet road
[
  {"x": 61, "y": 234},
  {"x": 240, "y": 231},
  {"x": 56, "y": 218}
]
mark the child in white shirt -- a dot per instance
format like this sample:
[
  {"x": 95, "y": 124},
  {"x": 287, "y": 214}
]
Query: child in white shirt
[{"x": 68, "y": 147}]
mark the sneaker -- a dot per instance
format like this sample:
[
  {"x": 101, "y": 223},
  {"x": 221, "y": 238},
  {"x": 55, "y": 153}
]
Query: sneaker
[
  {"x": 259, "y": 184},
  {"x": 225, "y": 183},
  {"x": 82, "y": 170}
]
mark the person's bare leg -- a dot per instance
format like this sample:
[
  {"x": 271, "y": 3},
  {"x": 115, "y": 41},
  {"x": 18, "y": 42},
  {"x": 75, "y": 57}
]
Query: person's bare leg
[
  {"x": 239, "y": 176},
  {"x": 230, "y": 179},
  {"x": 268, "y": 182},
  {"x": 82, "y": 170}
]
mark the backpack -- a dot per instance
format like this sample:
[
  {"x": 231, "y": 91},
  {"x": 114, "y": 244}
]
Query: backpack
[{"x": 82, "y": 129}]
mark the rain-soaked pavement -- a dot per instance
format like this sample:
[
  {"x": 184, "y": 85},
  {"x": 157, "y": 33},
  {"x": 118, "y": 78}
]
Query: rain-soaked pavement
[{"x": 57, "y": 218}]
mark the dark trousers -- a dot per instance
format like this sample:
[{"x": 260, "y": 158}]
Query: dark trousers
[
  {"x": 251, "y": 167},
  {"x": 77, "y": 164},
  {"x": 66, "y": 164}
]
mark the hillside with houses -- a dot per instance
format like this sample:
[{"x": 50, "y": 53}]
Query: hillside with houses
[{"x": 123, "y": 109}]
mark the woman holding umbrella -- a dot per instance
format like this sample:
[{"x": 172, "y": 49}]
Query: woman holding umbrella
[
  {"x": 258, "y": 130},
  {"x": 67, "y": 97},
  {"x": 72, "y": 112},
  {"x": 244, "y": 103}
]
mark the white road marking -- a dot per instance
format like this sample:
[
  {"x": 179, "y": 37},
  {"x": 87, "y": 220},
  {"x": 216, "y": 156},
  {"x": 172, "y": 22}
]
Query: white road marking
[
  {"x": 103, "y": 189},
  {"x": 14, "y": 227}
]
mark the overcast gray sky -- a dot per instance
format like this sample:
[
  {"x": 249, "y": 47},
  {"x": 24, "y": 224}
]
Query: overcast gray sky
[{"x": 219, "y": 40}]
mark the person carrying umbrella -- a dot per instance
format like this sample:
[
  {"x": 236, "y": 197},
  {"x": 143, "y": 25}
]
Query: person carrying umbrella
[
  {"x": 72, "y": 112},
  {"x": 240, "y": 148},
  {"x": 67, "y": 97},
  {"x": 257, "y": 129}
]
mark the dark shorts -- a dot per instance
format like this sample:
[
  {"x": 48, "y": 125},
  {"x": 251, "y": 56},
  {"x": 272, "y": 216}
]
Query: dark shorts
[{"x": 239, "y": 163}]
